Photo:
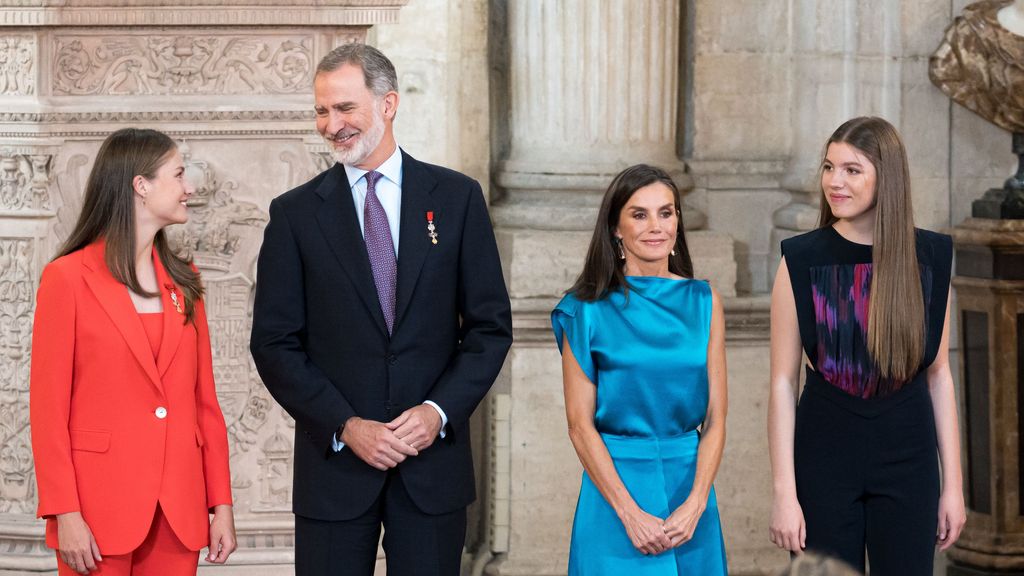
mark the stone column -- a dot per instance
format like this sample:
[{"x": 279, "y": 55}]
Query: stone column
[
  {"x": 592, "y": 88},
  {"x": 233, "y": 84}
]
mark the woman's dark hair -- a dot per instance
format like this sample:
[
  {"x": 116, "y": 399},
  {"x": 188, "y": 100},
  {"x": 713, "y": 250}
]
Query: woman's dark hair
[
  {"x": 602, "y": 270},
  {"x": 108, "y": 211}
]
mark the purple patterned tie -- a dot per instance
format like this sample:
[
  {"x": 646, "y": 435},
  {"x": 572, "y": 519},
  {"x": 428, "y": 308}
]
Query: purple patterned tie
[{"x": 380, "y": 248}]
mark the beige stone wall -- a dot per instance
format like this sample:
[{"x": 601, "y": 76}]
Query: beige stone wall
[{"x": 759, "y": 89}]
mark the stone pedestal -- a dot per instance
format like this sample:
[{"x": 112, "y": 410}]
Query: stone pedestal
[
  {"x": 232, "y": 82},
  {"x": 989, "y": 286}
]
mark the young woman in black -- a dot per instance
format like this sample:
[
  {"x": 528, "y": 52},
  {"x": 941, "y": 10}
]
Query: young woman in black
[{"x": 856, "y": 464}]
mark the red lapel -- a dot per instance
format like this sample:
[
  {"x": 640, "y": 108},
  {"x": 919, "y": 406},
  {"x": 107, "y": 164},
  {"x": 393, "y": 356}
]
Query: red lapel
[
  {"x": 174, "y": 321},
  {"x": 113, "y": 297}
]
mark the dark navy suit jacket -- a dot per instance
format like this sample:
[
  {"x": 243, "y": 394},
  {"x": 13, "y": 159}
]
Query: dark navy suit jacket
[{"x": 322, "y": 348}]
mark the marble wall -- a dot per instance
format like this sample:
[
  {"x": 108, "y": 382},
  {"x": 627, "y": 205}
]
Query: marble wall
[{"x": 541, "y": 101}]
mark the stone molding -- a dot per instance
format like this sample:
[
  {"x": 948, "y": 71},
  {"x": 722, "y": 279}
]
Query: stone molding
[
  {"x": 282, "y": 14},
  {"x": 725, "y": 174},
  {"x": 90, "y": 117}
]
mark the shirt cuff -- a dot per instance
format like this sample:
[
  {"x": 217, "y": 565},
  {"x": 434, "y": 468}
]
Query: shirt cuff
[
  {"x": 444, "y": 417},
  {"x": 336, "y": 444}
]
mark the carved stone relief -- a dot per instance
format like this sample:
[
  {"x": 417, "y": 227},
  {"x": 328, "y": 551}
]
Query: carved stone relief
[
  {"x": 17, "y": 70},
  {"x": 182, "y": 64},
  {"x": 302, "y": 168},
  {"x": 17, "y": 295},
  {"x": 275, "y": 475},
  {"x": 218, "y": 224},
  {"x": 24, "y": 180},
  {"x": 68, "y": 185}
]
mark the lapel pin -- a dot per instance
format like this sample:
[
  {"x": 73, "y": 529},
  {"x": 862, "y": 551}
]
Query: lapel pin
[
  {"x": 431, "y": 229},
  {"x": 174, "y": 297}
]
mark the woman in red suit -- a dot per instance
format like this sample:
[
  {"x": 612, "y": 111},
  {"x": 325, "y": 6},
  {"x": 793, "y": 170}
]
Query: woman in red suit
[{"x": 129, "y": 441}]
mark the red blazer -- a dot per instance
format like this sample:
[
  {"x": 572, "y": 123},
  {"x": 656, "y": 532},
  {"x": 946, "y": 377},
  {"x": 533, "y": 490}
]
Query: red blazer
[{"x": 114, "y": 430}]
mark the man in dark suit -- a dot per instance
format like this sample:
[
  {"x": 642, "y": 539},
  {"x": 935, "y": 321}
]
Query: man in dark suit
[{"x": 381, "y": 320}]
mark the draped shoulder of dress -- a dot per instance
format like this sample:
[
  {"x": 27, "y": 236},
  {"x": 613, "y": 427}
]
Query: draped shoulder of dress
[{"x": 646, "y": 353}]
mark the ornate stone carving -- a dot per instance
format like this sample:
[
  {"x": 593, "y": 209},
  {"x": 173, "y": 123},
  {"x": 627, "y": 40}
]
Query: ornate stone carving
[
  {"x": 24, "y": 180},
  {"x": 17, "y": 294},
  {"x": 182, "y": 64},
  {"x": 980, "y": 65},
  {"x": 216, "y": 219},
  {"x": 218, "y": 224},
  {"x": 321, "y": 155},
  {"x": 68, "y": 187},
  {"x": 301, "y": 168},
  {"x": 17, "y": 59},
  {"x": 275, "y": 475}
]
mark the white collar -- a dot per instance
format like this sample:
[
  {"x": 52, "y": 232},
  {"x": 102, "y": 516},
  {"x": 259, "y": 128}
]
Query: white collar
[{"x": 390, "y": 169}]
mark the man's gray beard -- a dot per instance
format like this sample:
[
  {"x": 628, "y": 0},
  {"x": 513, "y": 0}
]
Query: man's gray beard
[{"x": 368, "y": 142}]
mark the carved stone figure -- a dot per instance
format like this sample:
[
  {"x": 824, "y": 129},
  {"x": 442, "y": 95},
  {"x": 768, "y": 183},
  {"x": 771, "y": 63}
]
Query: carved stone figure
[
  {"x": 24, "y": 181},
  {"x": 16, "y": 65},
  {"x": 275, "y": 475},
  {"x": 980, "y": 65}
]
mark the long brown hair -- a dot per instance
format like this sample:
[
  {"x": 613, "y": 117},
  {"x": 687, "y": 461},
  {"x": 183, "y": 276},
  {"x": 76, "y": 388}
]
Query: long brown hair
[
  {"x": 108, "y": 211},
  {"x": 896, "y": 312},
  {"x": 602, "y": 270}
]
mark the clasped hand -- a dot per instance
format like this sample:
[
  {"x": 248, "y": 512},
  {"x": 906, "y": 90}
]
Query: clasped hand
[
  {"x": 652, "y": 535},
  {"x": 385, "y": 445}
]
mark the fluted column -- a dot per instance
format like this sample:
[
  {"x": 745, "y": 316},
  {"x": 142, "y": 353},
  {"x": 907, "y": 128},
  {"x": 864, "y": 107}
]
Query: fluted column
[
  {"x": 593, "y": 88},
  {"x": 594, "y": 85}
]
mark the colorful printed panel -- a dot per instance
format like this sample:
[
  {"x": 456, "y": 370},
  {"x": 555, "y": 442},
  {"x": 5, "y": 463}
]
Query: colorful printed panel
[{"x": 842, "y": 296}]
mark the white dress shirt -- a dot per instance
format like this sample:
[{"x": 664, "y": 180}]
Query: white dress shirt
[{"x": 389, "y": 192}]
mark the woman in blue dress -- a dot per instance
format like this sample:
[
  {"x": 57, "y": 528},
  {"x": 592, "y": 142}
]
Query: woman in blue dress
[{"x": 643, "y": 365}]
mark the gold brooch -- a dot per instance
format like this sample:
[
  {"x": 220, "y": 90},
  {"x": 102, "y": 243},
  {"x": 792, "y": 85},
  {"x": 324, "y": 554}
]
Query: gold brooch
[{"x": 174, "y": 297}]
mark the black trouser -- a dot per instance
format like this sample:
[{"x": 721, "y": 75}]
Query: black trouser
[
  {"x": 867, "y": 476},
  {"x": 415, "y": 543}
]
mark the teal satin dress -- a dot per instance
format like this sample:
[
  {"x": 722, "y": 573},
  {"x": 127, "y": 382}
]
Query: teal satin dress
[{"x": 647, "y": 356}]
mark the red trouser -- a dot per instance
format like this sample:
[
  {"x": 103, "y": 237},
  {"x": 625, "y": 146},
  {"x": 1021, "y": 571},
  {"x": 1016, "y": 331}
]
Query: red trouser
[{"x": 160, "y": 554}]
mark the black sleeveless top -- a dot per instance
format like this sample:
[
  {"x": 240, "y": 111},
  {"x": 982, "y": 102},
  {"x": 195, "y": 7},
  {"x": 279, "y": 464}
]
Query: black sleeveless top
[{"x": 831, "y": 278}]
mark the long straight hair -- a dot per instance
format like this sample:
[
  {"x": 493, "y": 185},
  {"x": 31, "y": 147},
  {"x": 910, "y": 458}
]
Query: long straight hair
[
  {"x": 603, "y": 269},
  {"x": 896, "y": 319},
  {"x": 108, "y": 211}
]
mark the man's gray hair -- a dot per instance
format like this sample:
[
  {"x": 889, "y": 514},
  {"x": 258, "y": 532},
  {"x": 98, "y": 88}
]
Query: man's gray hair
[{"x": 378, "y": 71}]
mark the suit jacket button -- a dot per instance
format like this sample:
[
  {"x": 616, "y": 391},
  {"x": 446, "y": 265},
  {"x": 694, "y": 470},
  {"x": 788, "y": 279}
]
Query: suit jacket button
[
  {"x": 161, "y": 412},
  {"x": 392, "y": 359}
]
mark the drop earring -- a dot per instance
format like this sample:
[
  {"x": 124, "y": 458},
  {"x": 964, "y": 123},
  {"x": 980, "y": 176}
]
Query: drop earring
[
  {"x": 622, "y": 251},
  {"x": 673, "y": 252}
]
